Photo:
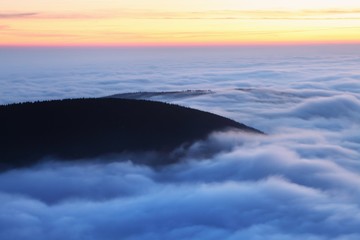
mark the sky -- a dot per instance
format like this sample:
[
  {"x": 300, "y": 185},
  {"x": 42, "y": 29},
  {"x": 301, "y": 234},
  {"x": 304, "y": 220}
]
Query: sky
[{"x": 161, "y": 22}]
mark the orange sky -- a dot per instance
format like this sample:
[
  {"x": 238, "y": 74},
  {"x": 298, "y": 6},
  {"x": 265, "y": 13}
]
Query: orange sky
[{"x": 170, "y": 22}]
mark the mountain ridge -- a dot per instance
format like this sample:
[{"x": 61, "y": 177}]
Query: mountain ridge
[{"x": 73, "y": 129}]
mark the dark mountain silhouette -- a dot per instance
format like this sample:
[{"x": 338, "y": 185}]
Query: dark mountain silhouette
[{"x": 88, "y": 128}]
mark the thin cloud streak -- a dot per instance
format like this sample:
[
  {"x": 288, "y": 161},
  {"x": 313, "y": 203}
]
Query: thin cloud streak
[
  {"x": 160, "y": 35},
  {"x": 18, "y": 15},
  {"x": 321, "y": 14}
]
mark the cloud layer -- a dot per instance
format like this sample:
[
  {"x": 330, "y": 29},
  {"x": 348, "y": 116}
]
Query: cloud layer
[{"x": 301, "y": 181}]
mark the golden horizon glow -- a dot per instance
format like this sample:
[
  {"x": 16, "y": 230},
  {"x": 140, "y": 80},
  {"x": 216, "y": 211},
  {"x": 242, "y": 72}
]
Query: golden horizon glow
[{"x": 167, "y": 23}]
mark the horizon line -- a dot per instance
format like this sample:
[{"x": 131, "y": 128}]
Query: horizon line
[{"x": 180, "y": 45}]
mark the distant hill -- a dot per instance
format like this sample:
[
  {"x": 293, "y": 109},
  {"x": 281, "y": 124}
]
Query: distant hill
[
  {"x": 75, "y": 129},
  {"x": 159, "y": 95}
]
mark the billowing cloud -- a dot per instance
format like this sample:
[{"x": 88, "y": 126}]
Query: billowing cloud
[
  {"x": 341, "y": 106},
  {"x": 301, "y": 181},
  {"x": 268, "y": 191}
]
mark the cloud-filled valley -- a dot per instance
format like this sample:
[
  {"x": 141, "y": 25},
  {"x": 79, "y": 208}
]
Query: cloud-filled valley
[{"x": 300, "y": 181}]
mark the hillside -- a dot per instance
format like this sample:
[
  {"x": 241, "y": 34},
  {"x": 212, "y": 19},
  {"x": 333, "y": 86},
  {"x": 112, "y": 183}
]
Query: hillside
[{"x": 88, "y": 128}]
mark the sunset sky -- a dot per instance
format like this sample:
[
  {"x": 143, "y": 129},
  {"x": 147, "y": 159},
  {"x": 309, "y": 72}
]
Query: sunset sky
[{"x": 170, "y": 22}]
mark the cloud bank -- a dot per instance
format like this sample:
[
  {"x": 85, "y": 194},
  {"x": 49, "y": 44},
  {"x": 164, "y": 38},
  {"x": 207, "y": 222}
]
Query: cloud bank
[
  {"x": 268, "y": 192},
  {"x": 301, "y": 181}
]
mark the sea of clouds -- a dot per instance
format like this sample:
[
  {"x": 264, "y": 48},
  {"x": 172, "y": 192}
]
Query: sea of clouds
[{"x": 300, "y": 181}]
